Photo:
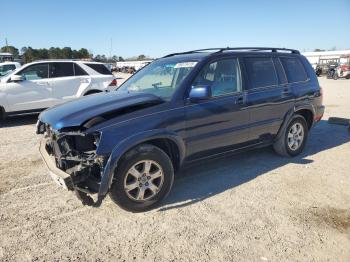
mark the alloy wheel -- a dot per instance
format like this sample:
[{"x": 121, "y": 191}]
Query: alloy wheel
[{"x": 143, "y": 180}]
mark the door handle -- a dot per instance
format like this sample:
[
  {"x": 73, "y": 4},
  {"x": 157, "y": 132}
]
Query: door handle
[{"x": 240, "y": 100}]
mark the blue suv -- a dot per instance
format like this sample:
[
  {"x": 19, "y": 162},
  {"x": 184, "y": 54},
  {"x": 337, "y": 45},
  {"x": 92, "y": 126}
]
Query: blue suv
[{"x": 181, "y": 108}]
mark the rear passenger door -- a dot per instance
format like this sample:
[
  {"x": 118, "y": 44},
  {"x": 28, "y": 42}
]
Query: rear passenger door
[
  {"x": 269, "y": 97},
  {"x": 217, "y": 124},
  {"x": 63, "y": 81}
]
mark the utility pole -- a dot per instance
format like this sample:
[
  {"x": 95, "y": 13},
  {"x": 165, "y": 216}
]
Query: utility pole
[
  {"x": 6, "y": 45},
  {"x": 110, "y": 50}
]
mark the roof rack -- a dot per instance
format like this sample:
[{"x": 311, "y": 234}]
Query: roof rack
[
  {"x": 62, "y": 59},
  {"x": 251, "y": 49}
]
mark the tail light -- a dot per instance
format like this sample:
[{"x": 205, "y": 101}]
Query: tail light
[{"x": 114, "y": 82}]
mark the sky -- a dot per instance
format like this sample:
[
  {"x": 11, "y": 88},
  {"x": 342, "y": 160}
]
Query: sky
[{"x": 158, "y": 27}]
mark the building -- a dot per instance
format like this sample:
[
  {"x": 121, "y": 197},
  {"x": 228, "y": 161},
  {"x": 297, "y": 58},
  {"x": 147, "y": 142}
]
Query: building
[
  {"x": 6, "y": 57},
  {"x": 324, "y": 57},
  {"x": 136, "y": 64}
]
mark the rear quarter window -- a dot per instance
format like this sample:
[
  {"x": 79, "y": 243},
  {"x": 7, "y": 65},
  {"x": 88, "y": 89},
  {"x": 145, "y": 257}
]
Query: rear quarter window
[
  {"x": 78, "y": 71},
  {"x": 261, "y": 72},
  {"x": 99, "y": 68},
  {"x": 294, "y": 69}
]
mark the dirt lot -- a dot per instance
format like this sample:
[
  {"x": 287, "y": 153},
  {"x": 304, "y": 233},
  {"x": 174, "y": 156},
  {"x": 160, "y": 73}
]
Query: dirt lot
[{"x": 250, "y": 207}]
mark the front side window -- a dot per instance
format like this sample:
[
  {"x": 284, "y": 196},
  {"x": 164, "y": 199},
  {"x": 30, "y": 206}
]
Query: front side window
[
  {"x": 294, "y": 69},
  {"x": 261, "y": 72},
  {"x": 35, "y": 72},
  {"x": 61, "y": 69},
  {"x": 161, "y": 78},
  {"x": 222, "y": 76}
]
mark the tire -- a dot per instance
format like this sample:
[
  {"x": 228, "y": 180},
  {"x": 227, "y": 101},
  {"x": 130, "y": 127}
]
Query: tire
[
  {"x": 130, "y": 199},
  {"x": 335, "y": 76},
  {"x": 282, "y": 144},
  {"x": 2, "y": 114}
]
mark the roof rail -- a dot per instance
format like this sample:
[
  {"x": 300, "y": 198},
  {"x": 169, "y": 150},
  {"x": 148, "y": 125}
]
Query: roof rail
[
  {"x": 252, "y": 49},
  {"x": 272, "y": 49},
  {"x": 62, "y": 59}
]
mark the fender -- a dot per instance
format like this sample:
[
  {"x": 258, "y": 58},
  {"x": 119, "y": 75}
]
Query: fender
[
  {"x": 289, "y": 115},
  {"x": 122, "y": 147}
]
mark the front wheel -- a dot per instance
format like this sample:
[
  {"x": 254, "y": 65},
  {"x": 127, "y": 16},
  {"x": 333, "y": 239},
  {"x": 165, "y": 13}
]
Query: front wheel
[
  {"x": 293, "y": 140},
  {"x": 143, "y": 178}
]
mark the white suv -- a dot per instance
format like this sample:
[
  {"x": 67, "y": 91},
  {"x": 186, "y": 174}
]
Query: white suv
[{"x": 43, "y": 84}]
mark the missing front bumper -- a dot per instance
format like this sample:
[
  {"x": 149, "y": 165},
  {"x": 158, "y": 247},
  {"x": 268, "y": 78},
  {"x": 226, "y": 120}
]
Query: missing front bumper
[
  {"x": 60, "y": 177},
  {"x": 64, "y": 180}
]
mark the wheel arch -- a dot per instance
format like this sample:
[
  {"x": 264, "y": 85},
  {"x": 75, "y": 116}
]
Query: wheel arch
[
  {"x": 307, "y": 111},
  {"x": 308, "y": 115},
  {"x": 92, "y": 91},
  {"x": 170, "y": 142}
]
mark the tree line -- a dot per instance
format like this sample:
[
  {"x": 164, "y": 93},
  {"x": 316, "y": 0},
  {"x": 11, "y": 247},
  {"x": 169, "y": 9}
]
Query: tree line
[{"x": 29, "y": 54}]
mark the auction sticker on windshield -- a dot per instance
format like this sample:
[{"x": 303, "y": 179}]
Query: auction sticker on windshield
[{"x": 185, "y": 64}]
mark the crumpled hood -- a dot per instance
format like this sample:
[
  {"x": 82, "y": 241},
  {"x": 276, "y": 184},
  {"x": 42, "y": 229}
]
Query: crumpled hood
[{"x": 77, "y": 112}]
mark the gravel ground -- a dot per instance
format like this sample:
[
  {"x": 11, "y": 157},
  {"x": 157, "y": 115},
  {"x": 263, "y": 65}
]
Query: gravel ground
[{"x": 255, "y": 206}]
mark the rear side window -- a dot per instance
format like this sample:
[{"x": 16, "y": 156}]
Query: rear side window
[
  {"x": 61, "y": 69},
  {"x": 78, "y": 71},
  {"x": 99, "y": 68},
  {"x": 294, "y": 69},
  {"x": 261, "y": 72}
]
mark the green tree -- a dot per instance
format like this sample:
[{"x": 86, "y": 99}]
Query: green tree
[
  {"x": 141, "y": 57},
  {"x": 67, "y": 52}
]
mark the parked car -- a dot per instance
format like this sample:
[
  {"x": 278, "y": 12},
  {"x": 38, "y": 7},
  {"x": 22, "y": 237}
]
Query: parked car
[
  {"x": 8, "y": 67},
  {"x": 343, "y": 70},
  {"x": 40, "y": 85},
  {"x": 182, "y": 108},
  {"x": 331, "y": 70}
]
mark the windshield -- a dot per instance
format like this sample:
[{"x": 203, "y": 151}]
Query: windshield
[{"x": 160, "y": 78}]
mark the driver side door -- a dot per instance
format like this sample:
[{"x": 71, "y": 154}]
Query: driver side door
[
  {"x": 220, "y": 123},
  {"x": 33, "y": 93}
]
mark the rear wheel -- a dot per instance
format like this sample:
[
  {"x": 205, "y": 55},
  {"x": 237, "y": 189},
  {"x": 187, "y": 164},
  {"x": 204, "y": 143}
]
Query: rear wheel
[
  {"x": 293, "y": 140},
  {"x": 143, "y": 178},
  {"x": 2, "y": 114}
]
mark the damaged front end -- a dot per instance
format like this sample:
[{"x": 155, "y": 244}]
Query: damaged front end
[{"x": 71, "y": 158}]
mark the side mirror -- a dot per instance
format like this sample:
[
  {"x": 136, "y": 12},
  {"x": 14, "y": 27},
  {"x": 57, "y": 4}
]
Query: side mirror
[
  {"x": 17, "y": 78},
  {"x": 200, "y": 92}
]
